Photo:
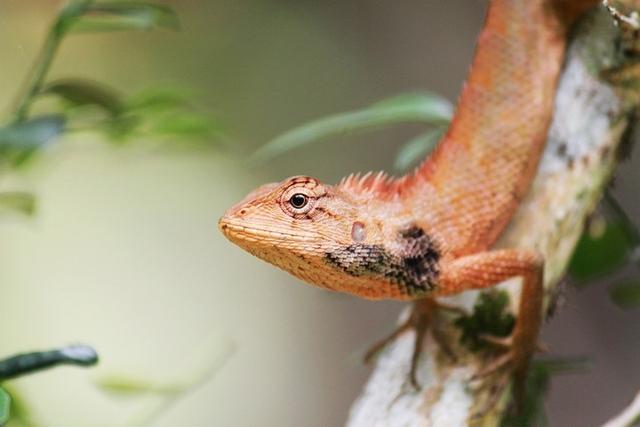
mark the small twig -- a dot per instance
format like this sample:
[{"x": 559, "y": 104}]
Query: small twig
[
  {"x": 628, "y": 417},
  {"x": 632, "y": 20}
]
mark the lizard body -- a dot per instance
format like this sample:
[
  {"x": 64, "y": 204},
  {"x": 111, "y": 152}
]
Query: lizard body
[{"x": 430, "y": 233}]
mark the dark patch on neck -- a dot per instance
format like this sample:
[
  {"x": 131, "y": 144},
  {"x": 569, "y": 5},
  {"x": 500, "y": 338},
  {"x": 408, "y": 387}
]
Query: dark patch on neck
[
  {"x": 412, "y": 232},
  {"x": 412, "y": 265}
]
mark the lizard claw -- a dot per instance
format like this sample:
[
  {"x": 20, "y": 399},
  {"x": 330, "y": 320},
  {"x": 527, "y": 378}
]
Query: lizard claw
[
  {"x": 420, "y": 320},
  {"x": 512, "y": 363},
  {"x": 377, "y": 347},
  {"x": 507, "y": 342},
  {"x": 503, "y": 342},
  {"x": 501, "y": 362},
  {"x": 500, "y": 367}
]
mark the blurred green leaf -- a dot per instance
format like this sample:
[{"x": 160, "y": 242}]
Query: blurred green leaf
[
  {"x": 490, "y": 317},
  {"x": 429, "y": 104},
  {"x": 119, "y": 128},
  {"x": 416, "y": 149},
  {"x": 417, "y": 107},
  {"x": 68, "y": 16},
  {"x": 158, "y": 99},
  {"x": 186, "y": 124},
  {"x": 626, "y": 294},
  {"x": 600, "y": 253},
  {"x": 125, "y": 15},
  {"x": 20, "y": 414},
  {"x": 85, "y": 92},
  {"x": 537, "y": 385},
  {"x": 125, "y": 385},
  {"x": 5, "y": 406},
  {"x": 24, "y": 203},
  {"x": 31, "y": 134}
]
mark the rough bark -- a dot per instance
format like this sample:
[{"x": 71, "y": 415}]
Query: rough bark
[{"x": 591, "y": 119}]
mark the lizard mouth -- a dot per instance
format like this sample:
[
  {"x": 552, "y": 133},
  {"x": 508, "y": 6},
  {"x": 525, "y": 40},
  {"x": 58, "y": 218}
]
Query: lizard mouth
[{"x": 241, "y": 232}]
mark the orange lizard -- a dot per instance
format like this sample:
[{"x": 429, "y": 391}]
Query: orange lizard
[{"x": 429, "y": 233}]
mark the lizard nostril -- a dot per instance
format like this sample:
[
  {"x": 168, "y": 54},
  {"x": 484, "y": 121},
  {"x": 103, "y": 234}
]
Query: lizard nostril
[{"x": 242, "y": 212}]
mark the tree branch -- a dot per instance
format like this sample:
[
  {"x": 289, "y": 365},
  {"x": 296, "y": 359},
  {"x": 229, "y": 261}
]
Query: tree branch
[
  {"x": 628, "y": 417},
  {"x": 590, "y": 123}
]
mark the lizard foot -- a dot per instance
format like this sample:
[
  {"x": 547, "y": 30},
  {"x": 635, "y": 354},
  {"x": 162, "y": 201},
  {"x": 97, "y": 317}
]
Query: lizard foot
[
  {"x": 513, "y": 363},
  {"x": 419, "y": 320}
]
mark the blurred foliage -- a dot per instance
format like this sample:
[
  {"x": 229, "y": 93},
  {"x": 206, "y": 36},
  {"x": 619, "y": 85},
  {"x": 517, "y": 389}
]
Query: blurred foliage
[
  {"x": 417, "y": 107},
  {"x": 626, "y": 294},
  {"x": 5, "y": 406},
  {"x": 157, "y": 113},
  {"x": 490, "y": 317},
  {"x": 167, "y": 392},
  {"x": 19, "y": 413},
  {"x": 125, "y": 15},
  {"x": 607, "y": 245},
  {"x": 537, "y": 384},
  {"x": 126, "y": 385},
  {"x": 602, "y": 248},
  {"x": 86, "y": 105},
  {"x": 27, "y": 363},
  {"x": 417, "y": 149},
  {"x": 17, "y": 201}
]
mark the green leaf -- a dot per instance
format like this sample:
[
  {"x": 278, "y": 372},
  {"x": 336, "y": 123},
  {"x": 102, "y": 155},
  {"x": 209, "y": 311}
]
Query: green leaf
[
  {"x": 126, "y": 15},
  {"x": 537, "y": 385},
  {"x": 69, "y": 15},
  {"x": 158, "y": 99},
  {"x": 21, "y": 202},
  {"x": 186, "y": 124},
  {"x": 423, "y": 108},
  {"x": 125, "y": 385},
  {"x": 5, "y": 406},
  {"x": 601, "y": 252},
  {"x": 85, "y": 92},
  {"x": 626, "y": 294},
  {"x": 427, "y": 103},
  {"x": 31, "y": 134},
  {"x": 416, "y": 149},
  {"x": 489, "y": 317}
]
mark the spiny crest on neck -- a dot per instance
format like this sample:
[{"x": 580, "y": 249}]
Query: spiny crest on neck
[{"x": 378, "y": 184}]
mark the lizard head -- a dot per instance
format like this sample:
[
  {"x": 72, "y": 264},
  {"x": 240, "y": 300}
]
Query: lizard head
[{"x": 332, "y": 238}]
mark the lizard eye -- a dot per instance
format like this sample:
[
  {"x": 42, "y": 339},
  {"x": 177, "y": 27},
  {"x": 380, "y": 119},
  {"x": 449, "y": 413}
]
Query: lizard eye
[{"x": 299, "y": 200}]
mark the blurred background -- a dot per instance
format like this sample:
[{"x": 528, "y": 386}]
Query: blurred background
[{"x": 124, "y": 253}]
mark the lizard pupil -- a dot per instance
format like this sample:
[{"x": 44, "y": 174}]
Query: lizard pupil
[{"x": 298, "y": 200}]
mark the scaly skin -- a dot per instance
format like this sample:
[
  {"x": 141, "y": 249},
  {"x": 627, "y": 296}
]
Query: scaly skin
[{"x": 430, "y": 233}]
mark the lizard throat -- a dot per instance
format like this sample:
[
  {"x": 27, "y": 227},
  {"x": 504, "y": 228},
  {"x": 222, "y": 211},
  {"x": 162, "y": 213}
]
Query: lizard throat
[{"x": 412, "y": 266}]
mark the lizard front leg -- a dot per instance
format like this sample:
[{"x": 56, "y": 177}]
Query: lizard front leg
[{"x": 487, "y": 269}]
